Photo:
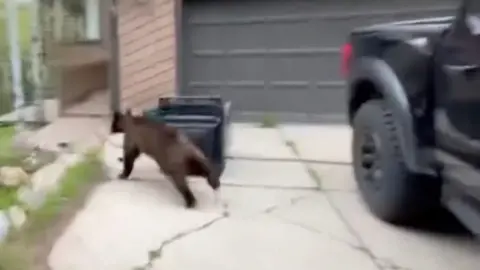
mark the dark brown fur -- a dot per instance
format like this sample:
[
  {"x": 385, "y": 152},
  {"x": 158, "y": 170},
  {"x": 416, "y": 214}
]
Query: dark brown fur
[{"x": 176, "y": 156}]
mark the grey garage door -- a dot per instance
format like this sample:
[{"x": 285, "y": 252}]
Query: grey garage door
[{"x": 281, "y": 56}]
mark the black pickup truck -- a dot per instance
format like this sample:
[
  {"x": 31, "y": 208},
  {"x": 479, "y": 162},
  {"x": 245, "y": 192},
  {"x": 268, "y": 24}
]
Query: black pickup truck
[{"x": 414, "y": 106}]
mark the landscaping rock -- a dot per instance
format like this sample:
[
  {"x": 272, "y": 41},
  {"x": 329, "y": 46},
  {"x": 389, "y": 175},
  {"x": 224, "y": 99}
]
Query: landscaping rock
[
  {"x": 31, "y": 162},
  {"x": 31, "y": 198},
  {"x": 4, "y": 225},
  {"x": 17, "y": 216},
  {"x": 13, "y": 176},
  {"x": 37, "y": 159}
]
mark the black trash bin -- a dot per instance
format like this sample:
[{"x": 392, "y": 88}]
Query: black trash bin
[{"x": 205, "y": 120}]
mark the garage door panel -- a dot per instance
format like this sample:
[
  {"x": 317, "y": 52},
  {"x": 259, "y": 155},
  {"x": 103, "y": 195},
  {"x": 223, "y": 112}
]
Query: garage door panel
[
  {"x": 258, "y": 65},
  {"x": 281, "y": 56},
  {"x": 245, "y": 68},
  {"x": 224, "y": 68},
  {"x": 306, "y": 67},
  {"x": 207, "y": 10},
  {"x": 207, "y": 37},
  {"x": 289, "y": 99},
  {"x": 244, "y": 36},
  {"x": 285, "y": 68},
  {"x": 247, "y": 9},
  {"x": 304, "y": 30},
  {"x": 203, "y": 68},
  {"x": 308, "y": 37}
]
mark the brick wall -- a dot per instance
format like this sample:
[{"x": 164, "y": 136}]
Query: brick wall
[{"x": 147, "y": 51}]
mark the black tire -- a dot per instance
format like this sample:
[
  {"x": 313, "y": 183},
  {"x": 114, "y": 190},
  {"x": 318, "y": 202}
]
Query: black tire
[{"x": 391, "y": 192}]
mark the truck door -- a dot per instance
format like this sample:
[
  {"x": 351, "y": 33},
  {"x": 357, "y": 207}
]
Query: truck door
[{"x": 457, "y": 110}]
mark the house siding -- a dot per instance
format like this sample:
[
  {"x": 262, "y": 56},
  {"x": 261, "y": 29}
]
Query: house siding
[{"x": 146, "y": 34}]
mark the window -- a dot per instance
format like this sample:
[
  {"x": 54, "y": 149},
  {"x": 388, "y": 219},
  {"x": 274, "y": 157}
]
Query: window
[
  {"x": 76, "y": 20},
  {"x": 92, "y": 19}
]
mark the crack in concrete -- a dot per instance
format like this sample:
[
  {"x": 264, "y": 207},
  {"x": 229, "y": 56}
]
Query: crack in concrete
[
  {"x": 157, "y": 253},
  {"x": 316, "y": 231},
  {"x": 312, "y": 173},
  {"x": 268, "y": 187},
  {"x": 384, "y": 264},
  {"x": 387, "y": 264},
  {"x": 376, "y": 260},
  {"x": 362, "y": 246},
  {"x": 297, "y": 159},
  {"x": 292, "y": 202},
  {"x": 354, "y": 233},
  {"x": 381, "y": 264}
]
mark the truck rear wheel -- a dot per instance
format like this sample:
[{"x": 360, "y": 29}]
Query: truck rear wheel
[{"x": 390, "y": 191}]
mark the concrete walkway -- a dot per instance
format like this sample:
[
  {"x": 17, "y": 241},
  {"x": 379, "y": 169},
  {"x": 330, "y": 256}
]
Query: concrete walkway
[{"x": 277, "y": 209}]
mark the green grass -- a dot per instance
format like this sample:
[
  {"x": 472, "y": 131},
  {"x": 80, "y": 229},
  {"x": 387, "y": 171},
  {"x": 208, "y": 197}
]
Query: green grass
[
  {"x": 8, "y": 197},
  {"x": 6, "y": 138},
  {"x": 19, "y": 251},
  {"x": 269, "y": 121},
  {"x": 8, "y": 155},
  {"x": 71, "y": 185}
]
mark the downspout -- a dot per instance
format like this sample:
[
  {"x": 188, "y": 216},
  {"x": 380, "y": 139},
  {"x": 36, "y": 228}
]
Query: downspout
[
  {"x": 114, "y": 69},
  {"x": 178, "y": 17}
]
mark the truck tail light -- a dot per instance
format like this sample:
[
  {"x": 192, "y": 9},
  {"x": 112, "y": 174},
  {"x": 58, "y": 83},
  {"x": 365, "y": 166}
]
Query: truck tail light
[{"x": 347, "y": 53}]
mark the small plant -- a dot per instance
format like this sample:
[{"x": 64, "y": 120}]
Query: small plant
[
  {"x": 74, "y": 179},
  {"x": 7, "y": 133},
  {"x": 8, "y": 156},
  {"x": 20, "y": 250},
  {"x": 269, "y": 121},
  {"x": 8, "y": 197}
]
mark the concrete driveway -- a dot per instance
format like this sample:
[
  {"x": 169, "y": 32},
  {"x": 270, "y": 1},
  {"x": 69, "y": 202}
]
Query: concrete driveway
[{"x": 288, "y": 201}]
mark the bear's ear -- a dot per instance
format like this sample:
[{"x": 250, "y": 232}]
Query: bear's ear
[{"x": 117, "y": 123}]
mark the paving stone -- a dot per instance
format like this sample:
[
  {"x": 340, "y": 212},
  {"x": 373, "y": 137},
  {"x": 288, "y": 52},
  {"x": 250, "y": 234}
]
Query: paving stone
[
  {"x": 407, "y": 248},
  {"x": 267, "y": 174},
  {"x": 335, "y": 176},
  {"x": 316, "y": 213},
  {"x": 121, "y": 223},
  {"x": 251, "y": 201},
  {"x": 330, "y": 143},
  {"x": 260, "y": 243},
  {"x": 251, "y": 141}
]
